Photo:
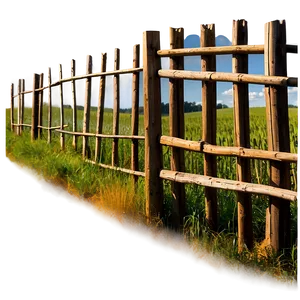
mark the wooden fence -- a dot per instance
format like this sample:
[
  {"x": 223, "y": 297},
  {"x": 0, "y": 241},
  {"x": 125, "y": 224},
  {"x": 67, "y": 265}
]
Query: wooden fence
[{"x": 275, "y": 82}]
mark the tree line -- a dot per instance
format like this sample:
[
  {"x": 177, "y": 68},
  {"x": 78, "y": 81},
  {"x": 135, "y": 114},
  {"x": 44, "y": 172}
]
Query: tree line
[{"x": 188, "y": 107}]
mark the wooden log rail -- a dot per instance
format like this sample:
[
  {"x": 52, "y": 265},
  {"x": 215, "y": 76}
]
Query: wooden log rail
[
  {"x": 203, "y": 147},
  {"x": 116, "y": 72},
  {"x": 124, "y": 170},
  {"x": 227, "y": 184},
  {"x": 110, "y": 136},
  {"x": 221, "y": 50},
  {"x": 230, "y": 77}
]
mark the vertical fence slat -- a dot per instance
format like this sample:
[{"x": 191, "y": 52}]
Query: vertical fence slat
[
  {"x": 152, "y": 124},
  {"x": 62, "y": 135},
  {"x": 209, "y": 99},
  {"x": 41, "y": 93},
  {"x": 49, "y": 106},
  {"x": 176, "y": 124},
  {"x": 12, "y": 119},
  {"x": 278, "y": 216},
  {"x": 242, "y": 135},
  {"x": 116, "y": 109},
  {"x": 18, "y": 105},
  {"x": 22, "y": 104},
  {"x": 35, "y": 107},
  {"x": 73, "y": 71},
  {"x": 87, "y": 108},
  {"x": 100, "y": 110},
  {"x": 135, "y": 112}
]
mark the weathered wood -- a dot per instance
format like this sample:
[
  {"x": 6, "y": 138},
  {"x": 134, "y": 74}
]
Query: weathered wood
[
  {"x": 19, "y": 107},
  {"x": 242, "y": 135},
  {"x": 176, "y": 125},
  {"x": 232, "y": 185},
  {"x": 135, "y": 112},
  {"x": 87, "y": 107},
  {"x": 230, "y": 77},
  {"x": 101, "y": 135},
  {"x": 116, "y": 109},
  {"x": 209, "y": 122},
  {"x": 203, "y": 147},
  {"x": 107, "y": 73},
  {"x": 12, "y": 107},
  {"x": 73, "y": 70},
  {"x": 52, "y": 128},
  {"x": 62, "y": 137},
  {"x": 152, "y": 124},
  {"x": 100, "y": 109},
  {"x": 24, "y": 125},
  {"x": 49, "y": 106},
  {"x": 22, "y": 104},
  {"x": 234, "y": 49},
  {"x": 35, "y": 108},
  {"x": 278, "y": 133},
  {"x": 40, "y": 118},
  {"x": 135, "y": 173}
]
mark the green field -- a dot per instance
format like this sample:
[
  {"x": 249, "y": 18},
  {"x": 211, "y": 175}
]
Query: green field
[{"x": 67, "y": 167}]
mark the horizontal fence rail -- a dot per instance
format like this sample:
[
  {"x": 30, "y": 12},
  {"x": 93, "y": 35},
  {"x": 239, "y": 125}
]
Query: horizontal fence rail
[
  {"x": 124, "y": 170},
  {"x": 109, "y": 73},
  {"x": 230, "y": 77},
  {"x": 239, "y": 49},
  {"x": 227, "y": 184},
  {"x": 204, "y": 147}
]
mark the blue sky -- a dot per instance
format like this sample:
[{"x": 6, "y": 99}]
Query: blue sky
[{"x": 192, "y": 89}]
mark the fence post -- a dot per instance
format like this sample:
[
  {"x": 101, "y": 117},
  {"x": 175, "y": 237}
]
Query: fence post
[
  {"x": 152, "y": 124},
  {"x": 209, "y": 123},
  {"x": 12, "y": 107},
  {"x": 74, "y": 143},
  {"x": 87, "y": 108},
  {"x": 135, "y": 113},
  {"x": 242, "y": 135},
  {"x": 100, "y": 110},
  {"x": 176, "y": 123},
  {"x": 22, "y": 104},
  {"x": 19, "y": 108},
  {"x": 35, "y": 107},
  {"x": 116, "y": 109},
  {"x": 278, "y": 214},
  {"x": 49, "y": 106},
  {"x": 62, "y": 135},
  {"x": 41, "y": 93}
]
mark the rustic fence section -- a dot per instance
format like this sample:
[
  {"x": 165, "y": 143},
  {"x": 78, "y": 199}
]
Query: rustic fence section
[
  {"x": 278, "y": 132},
  {"x": 135, "y": 112},
  {"x": 100, "y": 110},
  {"x": 87, "y": 108},
  {"x": 116, "y": 109},
  {"x": 209, "y": 121},
  {"x": 275, "y": 81},
  {"x": 73, "y": 71},
  {"x": 176, "y": 115},
  {"x": 242, "y": 135}
]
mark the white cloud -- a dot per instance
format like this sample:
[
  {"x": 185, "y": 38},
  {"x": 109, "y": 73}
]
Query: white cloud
[
  {"x": 228, "y": 92},
  {"x": 293, "y": 90},
  {"x": 253, "y": 95}
]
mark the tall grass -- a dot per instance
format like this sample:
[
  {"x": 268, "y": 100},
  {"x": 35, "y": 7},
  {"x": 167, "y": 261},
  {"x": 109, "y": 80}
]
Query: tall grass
[{"x": 114, "y": 192}]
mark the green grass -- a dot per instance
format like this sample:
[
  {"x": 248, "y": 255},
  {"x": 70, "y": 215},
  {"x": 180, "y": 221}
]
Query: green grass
[{"x": 114, "y": 191}]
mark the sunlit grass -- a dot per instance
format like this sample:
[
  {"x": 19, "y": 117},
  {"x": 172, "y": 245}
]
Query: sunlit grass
[{"x": 114, "y": 193}]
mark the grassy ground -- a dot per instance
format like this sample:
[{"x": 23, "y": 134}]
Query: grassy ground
[{"x": 114, "y": 193}]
